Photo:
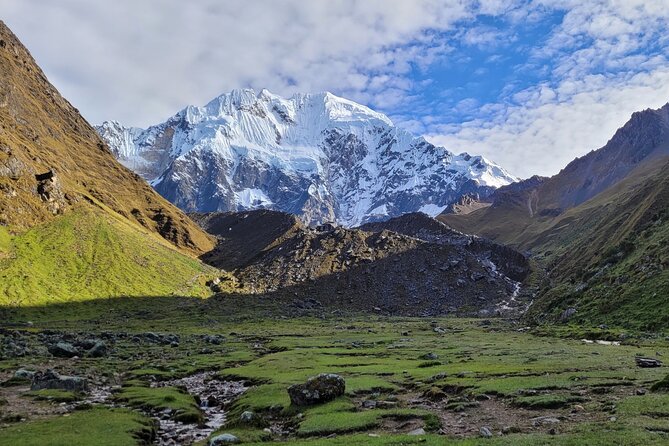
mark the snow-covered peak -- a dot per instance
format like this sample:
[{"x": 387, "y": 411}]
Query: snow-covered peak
[{"x": 318, "y": 155}]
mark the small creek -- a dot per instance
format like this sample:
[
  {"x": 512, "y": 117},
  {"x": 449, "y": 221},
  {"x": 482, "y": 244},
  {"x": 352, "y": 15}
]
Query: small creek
[{"x": 214, "y": 396}]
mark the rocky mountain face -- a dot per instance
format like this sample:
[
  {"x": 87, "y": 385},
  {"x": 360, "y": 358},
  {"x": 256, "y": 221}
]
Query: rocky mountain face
[
  {"x": 318, "y": 156},
  {"x": 418, "y": 266},
  {"x": 52, "y": 160},
  {"x": 513, "y": 213},
  {"x": 597, "y": 228}
]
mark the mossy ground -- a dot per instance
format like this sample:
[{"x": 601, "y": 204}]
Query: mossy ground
[
  {"x": 486, "y": 373},
  {"x": 98, "y": 426},
  {"x": 183, "y": 405}
]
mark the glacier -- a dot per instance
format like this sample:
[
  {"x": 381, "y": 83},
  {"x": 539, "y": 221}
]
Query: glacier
[{"x": 319, "y": 156}]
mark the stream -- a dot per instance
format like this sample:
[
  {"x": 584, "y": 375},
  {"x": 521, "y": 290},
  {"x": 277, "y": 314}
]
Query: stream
[{"x": 214, "y": 396}]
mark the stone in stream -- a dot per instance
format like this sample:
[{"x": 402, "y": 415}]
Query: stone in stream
[
  {"x": 318, "y": 389},
  {"x": 223, "y": 439},
  {"x": 52, "y": 380}
]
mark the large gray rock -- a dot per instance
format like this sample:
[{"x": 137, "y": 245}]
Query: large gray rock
[
  {"x": 64, "y": 350},
  {"x": 318, "y": 389},
  {"x": 52, "y": 380},
  {"x": 98, "y": 350},
  {"x": 647, "y": 362}
]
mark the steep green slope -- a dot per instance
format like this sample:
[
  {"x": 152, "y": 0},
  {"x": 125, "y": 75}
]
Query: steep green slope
[
  {"x": 74, "y": 223},
  {"x": 87, "y": 254},
  {"x": 598, "y": 229},
  {"x": 608, "y": 258}
]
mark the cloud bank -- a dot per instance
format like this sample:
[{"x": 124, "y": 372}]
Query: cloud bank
[{"x": 576, "y": 75}]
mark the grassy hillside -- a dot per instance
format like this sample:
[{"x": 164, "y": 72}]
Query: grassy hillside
[
  {"x": 606, "y": 257},
  {"x": 87, "y": 254}
]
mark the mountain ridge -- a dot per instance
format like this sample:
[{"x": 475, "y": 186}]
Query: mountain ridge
[
  {"x": 319, "y": 156},
  {"x": 599, "y": 238}
]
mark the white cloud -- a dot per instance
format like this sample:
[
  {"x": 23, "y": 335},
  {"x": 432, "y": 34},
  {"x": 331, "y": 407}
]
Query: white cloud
[
  {"x": 605, "y": 68},
  {"x": 140, "y": 61},
  {"x": 542, "y": 136}
]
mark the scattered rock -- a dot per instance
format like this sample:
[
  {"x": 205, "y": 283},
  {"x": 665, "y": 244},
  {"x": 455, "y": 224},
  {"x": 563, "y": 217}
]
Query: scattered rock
[
  {"x": 98, "y": 350},
  {"x": 647, "y": 362},
  {"x": 213, "y": 339},
  {"x": 247, "y": 417},
  {"x": 641, "y": 391},
  {"x": 369, "y": 404},
  {"x": 52, "y": 380},
  {"x": 430, "y": 356},
  {"x": 223, "y": 439},
  {"x": 24, "y": 374},
  {"x": 419, "y": 431},
  {"x": 319, "y": 389},
  {"x": 541, "y": 421},
  {"x": 386, "y": 404},
  {"x": 63, "y": 350},
  {"x": 510, "y": 430},
  {"x": 485, "y": 432}
]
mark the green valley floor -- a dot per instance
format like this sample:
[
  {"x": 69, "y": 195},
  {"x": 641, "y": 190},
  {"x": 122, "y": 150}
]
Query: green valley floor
[{"x": 164, "y": 368}]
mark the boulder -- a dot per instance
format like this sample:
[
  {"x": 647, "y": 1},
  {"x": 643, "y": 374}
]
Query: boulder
[
  {"x": 247, "y": 417},
  {"x": 318, "y": 389},
  {"x": 24, "y": 374},
  {"x": 647, "y": 362},
  {"x": 63, "y": 350},
  {"x": 52, "y": 380},
  {"x": 485, "y": 432},
  {"x": 223, "y": 439},
  {"x": 98, "y": 350}
]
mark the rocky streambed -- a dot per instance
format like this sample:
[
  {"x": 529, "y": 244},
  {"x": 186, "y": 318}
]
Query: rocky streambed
[{"x": 213, "y": 396}]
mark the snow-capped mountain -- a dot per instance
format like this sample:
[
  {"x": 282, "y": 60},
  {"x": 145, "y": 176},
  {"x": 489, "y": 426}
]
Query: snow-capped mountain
[{"x": 319, "y": 156}]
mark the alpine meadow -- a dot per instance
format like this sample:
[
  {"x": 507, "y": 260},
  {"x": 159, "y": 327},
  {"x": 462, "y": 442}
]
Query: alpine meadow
[{"x": 436, "y": 222}]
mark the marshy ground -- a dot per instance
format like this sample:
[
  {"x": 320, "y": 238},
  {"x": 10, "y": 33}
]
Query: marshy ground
[{"x": 177, "y": 371}]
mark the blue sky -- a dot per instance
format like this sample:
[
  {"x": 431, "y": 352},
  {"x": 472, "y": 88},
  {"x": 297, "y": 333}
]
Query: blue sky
[
  {"x": 489, "y": 59},
  {"x": 530, "y": 84}
]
